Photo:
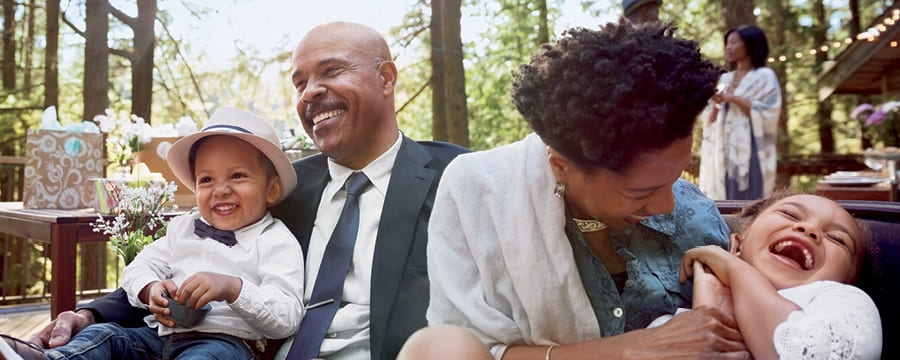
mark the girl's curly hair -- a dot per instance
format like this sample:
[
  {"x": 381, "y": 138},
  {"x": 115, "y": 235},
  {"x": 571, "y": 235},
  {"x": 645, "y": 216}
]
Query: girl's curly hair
[{"x": 604, "y": 97}]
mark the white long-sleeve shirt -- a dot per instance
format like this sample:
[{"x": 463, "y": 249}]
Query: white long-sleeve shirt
[{"x": 267, "y": 258}]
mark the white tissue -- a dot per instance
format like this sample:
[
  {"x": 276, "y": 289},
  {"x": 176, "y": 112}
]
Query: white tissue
[
  {"x": 185, "y": 126},
  {"x": 48, "y": 119},
  {"x": 164, "y": 130}
]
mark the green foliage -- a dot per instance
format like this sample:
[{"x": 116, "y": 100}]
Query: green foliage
[{"x": 508, "y": 41}]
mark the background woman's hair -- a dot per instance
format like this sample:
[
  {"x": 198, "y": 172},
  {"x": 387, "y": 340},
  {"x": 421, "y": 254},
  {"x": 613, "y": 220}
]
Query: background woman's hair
[
  {"x": 754, "y": 41},
  {"x": 604, "y": 97}
]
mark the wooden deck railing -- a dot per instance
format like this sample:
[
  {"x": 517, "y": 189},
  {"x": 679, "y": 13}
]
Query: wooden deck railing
[
  {"x": 23, "y": 264},
  {"x": 794, "y": 165}
]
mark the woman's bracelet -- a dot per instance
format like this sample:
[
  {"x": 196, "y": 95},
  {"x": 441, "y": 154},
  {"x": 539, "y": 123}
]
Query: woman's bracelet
[{"x": 549, "y": 349}]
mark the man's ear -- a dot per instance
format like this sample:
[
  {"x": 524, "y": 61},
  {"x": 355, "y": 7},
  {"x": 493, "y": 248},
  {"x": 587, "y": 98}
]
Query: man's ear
[
  {"x": 274, "y": 191},
  {"x": 734, "y": 246},
  {"x": 387, "y": 71}
]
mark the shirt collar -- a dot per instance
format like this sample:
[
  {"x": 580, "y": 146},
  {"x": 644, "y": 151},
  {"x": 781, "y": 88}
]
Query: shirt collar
[{"x": 378, "y": 171}]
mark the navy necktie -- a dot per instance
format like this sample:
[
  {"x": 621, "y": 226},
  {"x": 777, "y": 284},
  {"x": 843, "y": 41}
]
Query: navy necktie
[
  {"x": 203, "y": 230},
  {"x": 329, "y": 288}
]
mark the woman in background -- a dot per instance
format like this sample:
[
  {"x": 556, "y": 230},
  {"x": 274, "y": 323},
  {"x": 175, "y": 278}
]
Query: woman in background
[{"x": 740, "y": 124}]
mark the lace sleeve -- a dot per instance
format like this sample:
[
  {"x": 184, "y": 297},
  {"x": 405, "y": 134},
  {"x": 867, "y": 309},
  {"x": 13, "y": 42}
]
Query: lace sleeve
[{"x": 835, "y": 322}]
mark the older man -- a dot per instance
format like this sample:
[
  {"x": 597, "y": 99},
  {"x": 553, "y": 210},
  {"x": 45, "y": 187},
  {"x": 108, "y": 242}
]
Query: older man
[{"x": 345, "y": 79}]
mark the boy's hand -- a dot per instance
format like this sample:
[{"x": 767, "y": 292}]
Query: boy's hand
[
  {"x": 158, "y": 304},
  {"x": 204, "y": 287}
]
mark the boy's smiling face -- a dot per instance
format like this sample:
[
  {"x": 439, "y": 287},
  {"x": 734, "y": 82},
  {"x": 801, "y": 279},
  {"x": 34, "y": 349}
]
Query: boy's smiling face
[{"x": 232, "y": 188}]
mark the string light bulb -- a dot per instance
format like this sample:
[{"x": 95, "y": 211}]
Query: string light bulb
[{"x": 870, "y": 35}]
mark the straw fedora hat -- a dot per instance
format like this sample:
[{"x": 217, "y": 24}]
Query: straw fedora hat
[{"x": 243, "y": 125}]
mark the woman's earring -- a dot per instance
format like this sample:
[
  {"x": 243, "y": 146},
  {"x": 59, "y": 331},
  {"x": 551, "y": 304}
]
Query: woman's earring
[{"x": 559, "y": 190}]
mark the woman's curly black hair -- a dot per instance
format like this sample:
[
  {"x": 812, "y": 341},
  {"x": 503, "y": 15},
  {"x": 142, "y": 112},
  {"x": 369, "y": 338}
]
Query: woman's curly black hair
[{"x": 603, "y": 97}]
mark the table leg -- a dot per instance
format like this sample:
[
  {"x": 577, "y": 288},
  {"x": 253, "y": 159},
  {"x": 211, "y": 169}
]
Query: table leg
[{"x": 62, "y": 254}]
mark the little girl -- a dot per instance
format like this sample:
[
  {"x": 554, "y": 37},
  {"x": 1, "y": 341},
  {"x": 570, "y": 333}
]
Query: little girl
[{"x": 786, "y": 280}]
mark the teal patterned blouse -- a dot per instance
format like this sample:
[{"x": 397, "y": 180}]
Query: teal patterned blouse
[{"x": 652, "y": 252}]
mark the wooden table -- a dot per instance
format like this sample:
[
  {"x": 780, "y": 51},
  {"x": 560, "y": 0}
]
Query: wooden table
[
  {"x": 877, "y": 192},
  {"x": 63, "y": 230}
]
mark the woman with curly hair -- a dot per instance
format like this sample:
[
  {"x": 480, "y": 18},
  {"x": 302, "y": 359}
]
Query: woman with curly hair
[
  {"x": 568, "y": 243},
  {"x": 740, "y": 124}
]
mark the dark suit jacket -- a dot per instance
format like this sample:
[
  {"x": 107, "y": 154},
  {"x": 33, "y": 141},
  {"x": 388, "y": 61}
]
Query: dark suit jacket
[{"x": 399, "y": 273}]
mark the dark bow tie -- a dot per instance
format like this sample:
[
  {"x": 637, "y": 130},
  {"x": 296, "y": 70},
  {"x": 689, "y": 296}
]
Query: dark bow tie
[{"x": 203, "y": 230}]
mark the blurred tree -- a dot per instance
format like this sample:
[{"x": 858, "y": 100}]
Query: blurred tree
[
  {"x": 96, "y": 57},
  {"x": 439, "y": 129},
  {"x": 28, "y": 44},
  {"x": 140, "y": 55},
  {"x": 824, "y": 108},
  {"x": 51, "y": 55},
  {"x": 738, "y": 12},
  {"x": 454, "y": 73},
  {"x": 9, "y": 44}
]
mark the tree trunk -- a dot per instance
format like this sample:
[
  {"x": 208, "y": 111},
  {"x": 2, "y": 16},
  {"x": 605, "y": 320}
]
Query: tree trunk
[
  {"x": 9, "y": 44},
  {"x": 543, "y": 23},
  {"x": 96, "y": 59},
  {"x": 776, "y": 37},
  {"x": 142, "y": 62},
  {"x": 51, "y": 55},
  {"x": 454, "y": 74},
  {"x": 29, "y": 51},
  {"x": 823, "y": 108},
  {"x": 854, "y": 18},
  {"x": 438, "y": 104},
  {"x": 864, "y": 139},
  {"x": 738, "y": 12},
  {"x": 96, "y": 100}
]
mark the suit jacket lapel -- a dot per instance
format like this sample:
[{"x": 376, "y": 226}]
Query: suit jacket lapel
[
  {"x": 312, "y": 175},
  {"x": 410, "y": 183}
]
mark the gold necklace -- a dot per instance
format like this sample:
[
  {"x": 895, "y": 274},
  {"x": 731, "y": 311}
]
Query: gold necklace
[{"x": 589, "y": 225}]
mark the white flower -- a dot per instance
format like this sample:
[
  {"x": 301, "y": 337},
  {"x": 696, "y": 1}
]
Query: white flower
[{"x": 139, "y": 218}]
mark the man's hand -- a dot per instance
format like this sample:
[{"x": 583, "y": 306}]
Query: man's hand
[
  {"x": 60, "y": 330},
  {"x": 204, "y": 287}
]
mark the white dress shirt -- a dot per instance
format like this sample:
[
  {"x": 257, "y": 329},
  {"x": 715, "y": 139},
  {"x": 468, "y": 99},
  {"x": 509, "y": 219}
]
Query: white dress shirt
[{"x": 349, "y": 333}]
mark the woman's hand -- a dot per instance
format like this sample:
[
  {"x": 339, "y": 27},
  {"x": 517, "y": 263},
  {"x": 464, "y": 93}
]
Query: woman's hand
[
  {"x": 703, "y": 333},
  {"x": 719, "y": 98}
]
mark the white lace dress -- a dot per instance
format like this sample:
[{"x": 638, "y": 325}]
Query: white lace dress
[{"x": 836, "y": 321}]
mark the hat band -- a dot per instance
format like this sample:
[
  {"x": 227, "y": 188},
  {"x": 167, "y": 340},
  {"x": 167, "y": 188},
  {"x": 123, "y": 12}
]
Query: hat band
[{"x": 227, "y": 127}]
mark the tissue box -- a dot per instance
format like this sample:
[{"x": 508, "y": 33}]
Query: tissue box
[
  {"x": 60, "y": 167},
  {"x": 154, "y": 156}
]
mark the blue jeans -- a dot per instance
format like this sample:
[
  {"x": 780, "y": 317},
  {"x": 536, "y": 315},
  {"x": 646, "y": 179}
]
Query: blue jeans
[{"x": 111, "y": 341}]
